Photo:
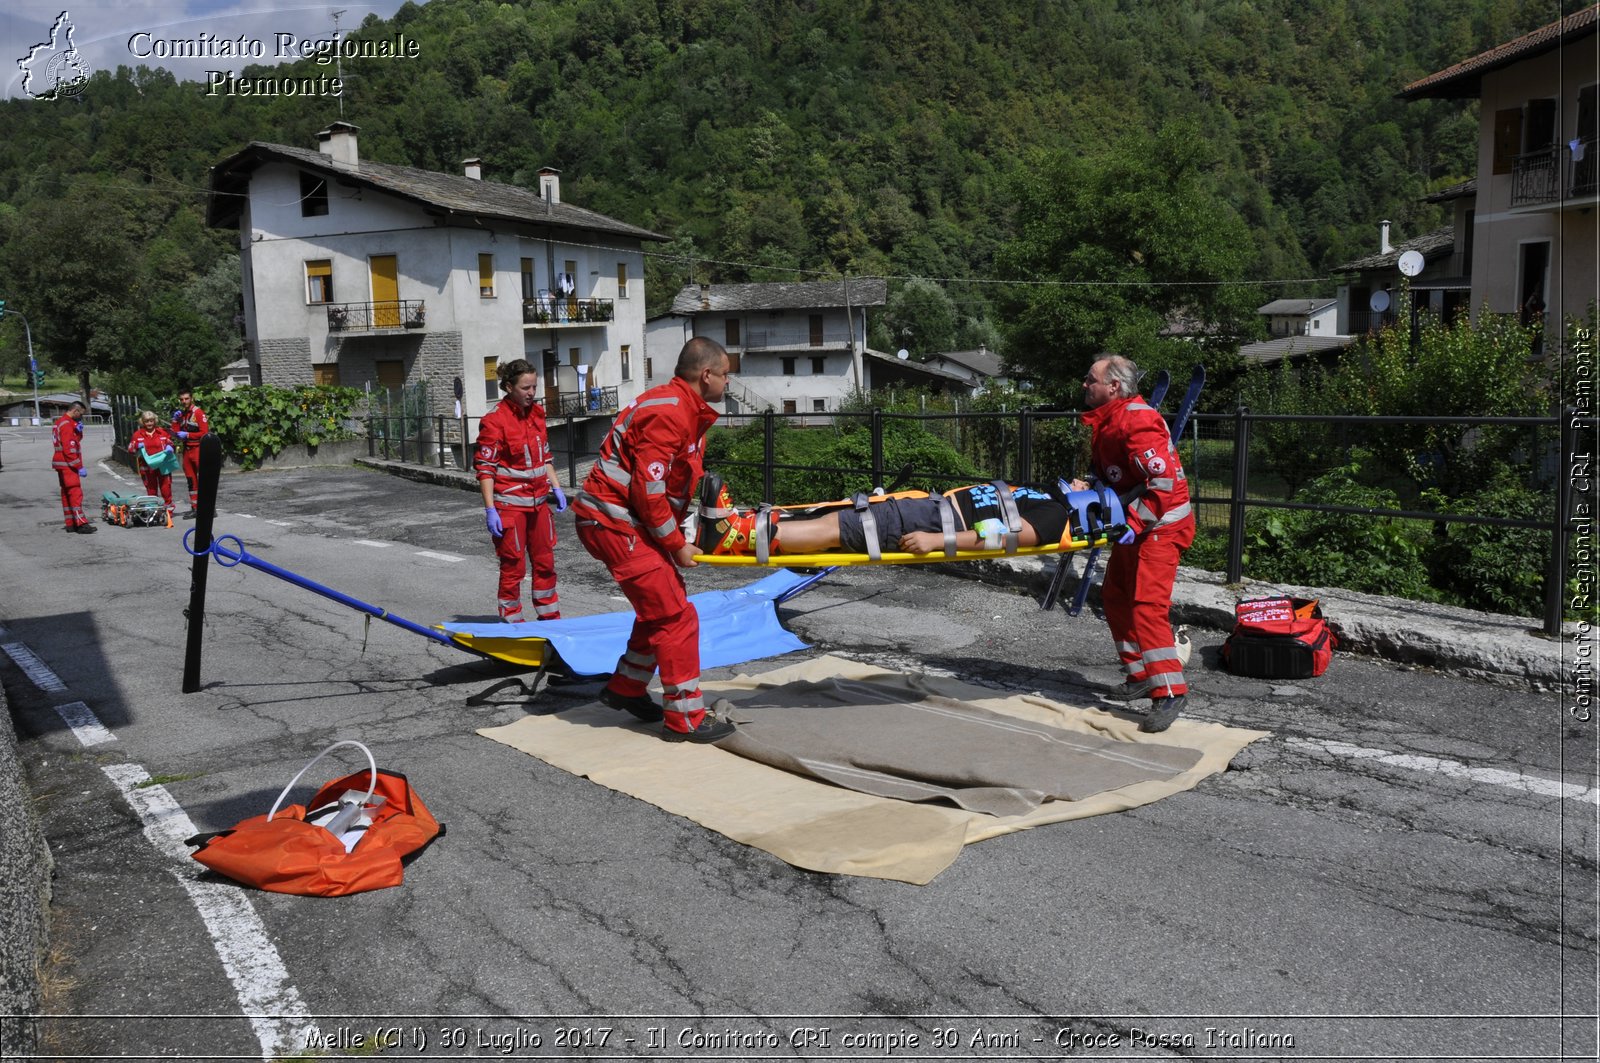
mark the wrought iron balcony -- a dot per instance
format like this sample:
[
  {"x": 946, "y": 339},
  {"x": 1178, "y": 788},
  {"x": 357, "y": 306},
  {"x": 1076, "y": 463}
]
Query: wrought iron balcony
[
  {"x": 553, "y": 310},
  {"x": 372, "y": 317},
  {"x": 1556, "y": 172},
  {"x": 584, "y": 403}
]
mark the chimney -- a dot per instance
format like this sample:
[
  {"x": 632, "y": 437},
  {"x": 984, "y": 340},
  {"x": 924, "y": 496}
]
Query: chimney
[
  {"x": 1383, "y": 240},
  {"x": 338, "y": 142},
  {"x": 473, "y": 168},
  {"x": 550, "y": 184},
  {"x": 705, "y": 297}
]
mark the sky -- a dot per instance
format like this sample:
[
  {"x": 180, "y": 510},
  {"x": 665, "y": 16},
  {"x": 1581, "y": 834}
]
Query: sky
[{"x": 112, "y": 33}]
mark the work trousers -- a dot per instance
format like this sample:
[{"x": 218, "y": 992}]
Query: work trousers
[
  {"x": 1137, "y": 597},
  {"x": 528, "y": 542},
  {"x": 71, "y": 498},
  {"x": 191, "y": 473},
  {"x": 158, "y": 483},
  {"x": 666, "y": 627}
]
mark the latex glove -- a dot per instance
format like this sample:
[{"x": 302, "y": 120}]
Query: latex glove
[
  {"x": 491, "y": 519},
  {"x": 183, "y": 435},
  {"x": 168, "y": 449},
  {"x": 1127, "y": 537},
  {"x": 561, "y": 499},
  {"x": 82, "y": 471}
]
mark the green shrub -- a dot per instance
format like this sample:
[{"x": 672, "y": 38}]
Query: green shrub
[
  {"x": 1484, "y": 566},
  {"x": 256, "y": 423}
]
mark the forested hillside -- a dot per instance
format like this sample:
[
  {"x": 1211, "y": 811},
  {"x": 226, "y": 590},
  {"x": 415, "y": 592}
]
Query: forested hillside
[{"x": 769, "y": 137}]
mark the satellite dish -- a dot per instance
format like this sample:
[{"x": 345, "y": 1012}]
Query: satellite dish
[
  {"x": 1411, "y": 263},
  {"x": 902, "y": 354},
  {"x": 1379, "y": 301}
]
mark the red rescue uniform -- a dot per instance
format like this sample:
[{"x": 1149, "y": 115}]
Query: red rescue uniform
[
  {"x": 67, "y": 435},
  {"x": 628, "y": 516},
  {"x": 513, "y": 449},
  {"x": 1132, "y": 453},
  {"x": 156, "y": 481},
  {"x": 193, "y": 426}
]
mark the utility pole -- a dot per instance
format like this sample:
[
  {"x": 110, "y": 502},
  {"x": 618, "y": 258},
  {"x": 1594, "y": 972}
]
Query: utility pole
[
  {"x": 33, "y": 367},
  {"x": 338, "y": 59}
]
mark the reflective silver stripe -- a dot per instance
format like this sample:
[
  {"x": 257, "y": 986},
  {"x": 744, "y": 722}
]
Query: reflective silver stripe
[
  {"x": 614, "y": 472},
  {"x": 683, "y": 705},
  {"x": 519, "y": 501},
  {"x": 543, "y": 594},
  {"x": 641, "y": 660},
  {"x": 663, "y": 530},
  {"x": 869, "y": 524},
  {"x": 508, "y": 473},
  {"x": 1133, "y": 668},
  {"x": 638, "y": 673},
  {"x": 1162, "y": 483},
  {"x": 546, "y": 609},
  {"x": 1165, "y": 681},
  {"x": 678, "y": 503},
  {"x": 947, "y": 525},
  {"x": 1141, "y": 406},
  {"x": 1172, "y": 516},
  {"x": 608, "y": 508},
  {"x": 763, "y": 533},
  {"x": 1008, "y": 510},
  {"x": 655, "y": 487},
  {"x": 1165, "y": 653},
  {"x": 1127, "y": 647}
]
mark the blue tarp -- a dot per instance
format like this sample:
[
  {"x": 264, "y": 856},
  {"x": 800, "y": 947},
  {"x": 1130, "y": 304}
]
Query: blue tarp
[{"x": 735, "y": 626}]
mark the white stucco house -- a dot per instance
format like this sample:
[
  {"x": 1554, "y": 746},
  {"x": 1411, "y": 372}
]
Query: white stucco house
[{"x": 370, "y": 274}]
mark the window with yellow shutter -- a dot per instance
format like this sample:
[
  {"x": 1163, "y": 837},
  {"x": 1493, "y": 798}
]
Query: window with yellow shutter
[
  {"x": 319, "y": 281},
  {"x": 486, "y": 276}
]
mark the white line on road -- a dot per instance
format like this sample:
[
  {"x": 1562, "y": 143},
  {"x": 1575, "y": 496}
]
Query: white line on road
[
  {"x": 113, "y": 473},
  {"x": 281, "y": 523},
  {"x": 281, "y": 1021},
  {"x": 373, "y": 542},
  {"x": 34, "y": 669},
  {"x": 245, "y": 516},
  {"x": 85, "y": 724},
  {"x": 1515, "y": 780},
  {"x": 439, "y": 557}
]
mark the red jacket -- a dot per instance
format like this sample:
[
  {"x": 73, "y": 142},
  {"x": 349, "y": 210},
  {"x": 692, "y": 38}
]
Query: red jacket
[
  {"x": 1132, "y": 453},
  {"x": 67, "y": 435},
  {"x": 193, "y": 420},
  {"x": 513, "y": 449},
  {"x": 153, "y": 441},
  {"x": 649, "y": 464}
]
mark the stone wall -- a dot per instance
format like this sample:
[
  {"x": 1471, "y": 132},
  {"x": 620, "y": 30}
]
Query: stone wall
[{"x": 285, "y": 363}]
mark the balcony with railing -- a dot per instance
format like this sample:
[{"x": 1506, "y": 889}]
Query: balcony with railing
[
  {"x": 1560, "y": 172},
  {"x": 590, "y": 403},
  {"x": 377, "y": 317},
  {"x": 546, "y": 311}
]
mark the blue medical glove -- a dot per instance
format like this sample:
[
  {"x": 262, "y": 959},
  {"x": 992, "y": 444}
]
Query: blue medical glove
[
  {"x": 83, "y": 471},
  {"x": 1127, "y": 537},
  {"x": 168, "y": 449},
  {"x": 491, "y": 519},
  {"x": 561, "y": 499}
]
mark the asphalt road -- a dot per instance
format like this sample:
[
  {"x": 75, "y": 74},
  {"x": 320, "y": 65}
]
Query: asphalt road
[{"x": 1422, "y": 898}]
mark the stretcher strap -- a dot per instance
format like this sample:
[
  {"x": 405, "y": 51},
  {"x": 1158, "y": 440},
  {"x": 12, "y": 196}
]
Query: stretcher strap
[
  {"x": 1008, "y": 511},
  {"x": 869, "y": 524},
  {"x": 947, "y": 524},
  {"x": 763, "y": 534}
]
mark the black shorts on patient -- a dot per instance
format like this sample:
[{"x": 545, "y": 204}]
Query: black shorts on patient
[{"x": 894, "y": 517}]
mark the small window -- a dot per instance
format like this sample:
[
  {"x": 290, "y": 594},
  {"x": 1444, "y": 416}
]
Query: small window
[
  {"x": 313, "y": 195},
  {"x": 391, "y": 373},
  {"x": 789, "y": 406},
  {"x": 491, "y": 379},
  {"x": 819, "y": 406},
  {"x": 649, "y": 369},
  {"x": 819, "y": 364},
  {"x": 622, "y": 280},
  {"x": 730, "y": 332},
  {"x": 319, "y": 281},
  {"x": 626, "y": 356},
  {"x": 528, "y": 291},
  {"x": 325, "y": 375},
  {"x": 733, "y": 361},
  {"x": 816, "y": 330},
  {"x": 788, "y": 366},
  {"x": 486, "y": 276},
  {"x": 574, "y": 356}
]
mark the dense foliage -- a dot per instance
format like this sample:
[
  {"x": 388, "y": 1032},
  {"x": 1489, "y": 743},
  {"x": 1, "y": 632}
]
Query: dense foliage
[
  {"x": 775, "y": 138},
  {"x": 256, "y": 423}
]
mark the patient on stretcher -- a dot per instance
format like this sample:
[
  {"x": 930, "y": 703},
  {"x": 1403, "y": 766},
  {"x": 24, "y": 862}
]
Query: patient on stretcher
[{"x": 989, "y": 516}]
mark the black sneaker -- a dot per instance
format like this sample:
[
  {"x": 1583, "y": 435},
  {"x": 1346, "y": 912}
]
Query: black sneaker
[
  {"x": 191, "y": 515},
  {"x": 713, "y": 728},
  {"x": 84, "y": 529},
  {"x": 1163, "y": 711},
  {"x": 641, "y": 706},
  {"x": 1130, "y": 690}
]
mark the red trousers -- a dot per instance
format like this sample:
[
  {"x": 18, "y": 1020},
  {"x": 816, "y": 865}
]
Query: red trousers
[
  {"x": 666, "y": 627},
  {"x": 191, "y": 473},
  {"x": 530, "y": 535},
  {"x": 159, "y": 483},
  {"x": 71, "y": 498},
  {"x": 1137, "y": 597}
]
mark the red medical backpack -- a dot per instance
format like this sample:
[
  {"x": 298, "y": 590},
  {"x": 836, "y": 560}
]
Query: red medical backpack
[{"x": 1279, "y": 638}]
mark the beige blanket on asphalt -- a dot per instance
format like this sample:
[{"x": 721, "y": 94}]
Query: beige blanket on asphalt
[{"x": 1079, "y": 763}]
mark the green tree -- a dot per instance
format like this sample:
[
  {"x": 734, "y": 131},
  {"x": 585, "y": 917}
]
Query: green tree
[{"x": 920, "y": 317}]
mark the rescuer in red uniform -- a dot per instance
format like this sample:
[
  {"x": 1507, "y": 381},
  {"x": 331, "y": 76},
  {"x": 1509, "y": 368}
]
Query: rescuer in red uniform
[
  {"x": 1132, "y": 453},
  {"x": 189, "y": 425},
  {"x": 151, "y": 438},
  {"x": 512, "y": 457},
  {"x": 67, "y": 434},
  {"x": 628, "y": 516}
]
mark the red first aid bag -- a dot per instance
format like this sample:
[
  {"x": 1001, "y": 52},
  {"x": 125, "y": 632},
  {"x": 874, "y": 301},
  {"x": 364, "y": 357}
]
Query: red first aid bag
[
  {"x": 352, "y": 836},
  {"x": 1279, "y": 638}
]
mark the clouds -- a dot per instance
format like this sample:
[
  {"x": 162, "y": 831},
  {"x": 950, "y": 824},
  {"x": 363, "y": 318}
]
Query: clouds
[{"x": 189, "y": 38}]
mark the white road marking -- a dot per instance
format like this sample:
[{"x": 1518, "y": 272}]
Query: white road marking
[
  {"x": 439, "y": 557},
  {"x": 281, "y": 523},
  {"x": 112, "y": 472},
  {"x": 34, "y": 669},
  {"x": 280, "y": 1019},
  {"x": 1515, "y": 780},
  {"x": 373, "y": 542},
  {"x": 85, "y": 724},
  {"x": 245, "y": 516}
]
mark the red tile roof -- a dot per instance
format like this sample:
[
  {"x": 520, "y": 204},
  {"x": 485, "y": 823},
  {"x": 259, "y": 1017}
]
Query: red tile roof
[{"x": 1462, "y": 80}]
